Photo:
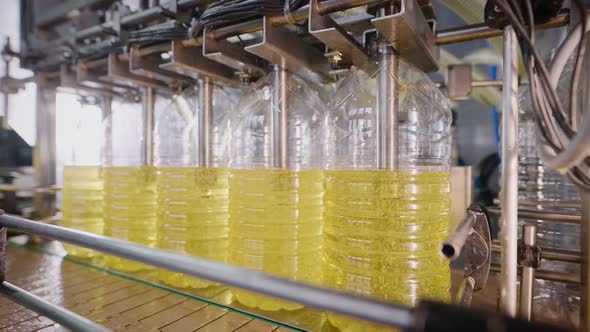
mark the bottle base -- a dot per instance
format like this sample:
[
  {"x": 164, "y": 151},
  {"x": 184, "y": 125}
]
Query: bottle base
[
  {"x": 179, "y": 280},
  {"x": 261, "y": 302}
]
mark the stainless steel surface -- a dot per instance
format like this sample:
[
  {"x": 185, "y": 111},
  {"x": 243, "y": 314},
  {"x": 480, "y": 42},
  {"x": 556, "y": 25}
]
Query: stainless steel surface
[
  {"x": 205, "y": 121},
  {"x": 329, "y": 6},
  {"x": 313, "y": 296},
  {"x": 482, "y": 31},
  {"x": 190, "y": 61},
  {"x": 458, "y": 81},
  {"x": 509, "y": 176},
  {"x": 387, "y": 106},
  {"x": 44, "y": 156},
  {"x": 232, "y": 55},
  {"x": 286, "y": 49},
  {"x": 410, "y": 35},
  {"x": 527, "y": 281},
  {"x": 118, "y": 71},
  {"x": 149, "y": 65},
  {"x": 324, "y": 28},
  {"x": 585, "y": 268},
  {"x": 149, "y": 107},
  {"x": 58, "y": 314},
  {"x": 278, "y": 118}
]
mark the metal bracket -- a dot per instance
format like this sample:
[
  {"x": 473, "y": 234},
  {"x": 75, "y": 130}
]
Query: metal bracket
[
  {"x": 118, "y": 71},
  {"x": 410, "y": 35},
  {"x": 148, "y": 65},
  {"x": 68, "y": 79},
  {"x": 458, "y": 81},
  {"x": 286, "y": 49},
  {"x": 324, "y": 28},
  {"x": 92, "y": 74},
  {"x": 473, "y": 238},
  {"x": 529, "y": 256},
  {"x": 232, "y": 55},
  {"x": 189, "y": 61}
]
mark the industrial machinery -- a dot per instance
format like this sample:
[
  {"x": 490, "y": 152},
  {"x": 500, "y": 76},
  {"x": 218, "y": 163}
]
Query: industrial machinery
[{"x": 266, "y": 165}]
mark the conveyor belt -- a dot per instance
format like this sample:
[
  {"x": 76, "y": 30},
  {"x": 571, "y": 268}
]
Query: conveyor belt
[{"x": 118, "y": 302}]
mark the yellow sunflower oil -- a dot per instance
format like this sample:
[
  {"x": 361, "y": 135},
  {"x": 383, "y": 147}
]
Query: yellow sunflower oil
[
  {"x": 192, "y": 217},
  {"x": 130, "y": 210},
  {"x": 382, "y": 234},
  {"x": 275, "y": 227},
  {"x": 82, "y": 204}
]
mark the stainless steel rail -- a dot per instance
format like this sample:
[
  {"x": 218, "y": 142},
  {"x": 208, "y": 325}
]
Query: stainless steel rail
[
  {"x": 321, "y": 298},
  {"x": 58, "y": 314},
  {"x": 551, "y": 254},
  {"x": 546, "y": 215}
]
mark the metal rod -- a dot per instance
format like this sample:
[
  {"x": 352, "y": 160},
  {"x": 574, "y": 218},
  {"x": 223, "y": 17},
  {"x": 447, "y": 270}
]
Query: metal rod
[
  {"x": 278, "y": 118},
  {"x": 364, "y": 308},
  {"x": 387, "y": 104},
  {"x": 482, "y": 31},
  {"x": 529, "y": 237},
  {"x": 509, "y": 179},
  {"x": 552, "y": 254},
  {"x": 545, "y": 215},
  {"x": 585, "y": 268},
  {"x": 150, "y": 100},
  {"x": 452, "y": 245},
  {"x": 205, "y": 121},
  {"x": 5, "y": 119},
  {"x": 568, "y": 278},
  {"x": 57, "y": 314}
]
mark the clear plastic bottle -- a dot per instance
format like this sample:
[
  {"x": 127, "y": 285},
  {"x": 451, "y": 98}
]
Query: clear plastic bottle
[
  {"x": 276, "y": 204},
  {"x": 82, "y": 200},
  {"x": 383, "y": 226},
  {"x": 543, "y": 189},
  {"x": 129, "y": 185},
  {"x": 192, "y": 192}
]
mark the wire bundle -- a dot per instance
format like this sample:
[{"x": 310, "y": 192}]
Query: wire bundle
[
  {"x": 225, "y": 11},
  {"x": 176, "y": 31},
  {"x": 556, "y": 126}
]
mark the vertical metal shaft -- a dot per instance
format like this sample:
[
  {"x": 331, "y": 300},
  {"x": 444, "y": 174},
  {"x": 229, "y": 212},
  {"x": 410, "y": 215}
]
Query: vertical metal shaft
[
  {"x": 44, "y": 157},
  {"x": 585, "y": 268},
  {"x": 205, "y": 121},
  {"x": 278, "y": 118},
  {"x": 387, "y": 104},
  {"x": 150, "y": 98},
  {"x": 5, "y": 102},
  {"x": 509, "y": 180},
  {"x": 529, "y": 236}
]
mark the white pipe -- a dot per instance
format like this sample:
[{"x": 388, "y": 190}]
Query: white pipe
[{"x": 509, "y": 180}]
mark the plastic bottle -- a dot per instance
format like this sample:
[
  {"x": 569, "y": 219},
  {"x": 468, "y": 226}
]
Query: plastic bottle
[
  {"x": 129, "y": 184},
  {"x": 192, "y": 191},
  {"x": 543, "y": 189},
  {"x": 82, "y": 202},
  {"x": 276, "y": 198},
  {"x": 383, "y": 226}
]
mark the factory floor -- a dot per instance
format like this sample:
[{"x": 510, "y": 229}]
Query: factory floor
[{"x": 123, "y": 302}]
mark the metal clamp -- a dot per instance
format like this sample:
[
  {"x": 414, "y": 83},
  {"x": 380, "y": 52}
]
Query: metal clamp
[
  {"x": 410, "y": 35},
  {"x": 286, "y": 49},
  {"x": 232, "y": 55},
  {"x": 472, "y": 233},
  {"x": 190, "y": 61},
  {"x": 118, "y": 71},
  {"x": 324, "y": 28},
  {"x": 529, "y": 256}
]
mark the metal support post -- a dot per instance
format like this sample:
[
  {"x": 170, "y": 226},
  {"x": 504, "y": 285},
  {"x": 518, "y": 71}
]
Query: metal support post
[
  {"x": 529, "y": 237},
  {"x": 585, "y": 267},
  {"x": 278, "y": 118},
  {"x": 387, "y": 104},
  {"x": 44, "y": 157},
  {"x": 205, "y": 121},
  {"x": 150, "y": 99},
  {"x": 509, "y": 180},
  {"x": 5, "y": 101}
]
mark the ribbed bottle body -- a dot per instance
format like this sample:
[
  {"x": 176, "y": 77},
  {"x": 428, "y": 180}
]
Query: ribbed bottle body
[
  {"x": 384, "y": 226},
  {"x": 276, "y": 210}
]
